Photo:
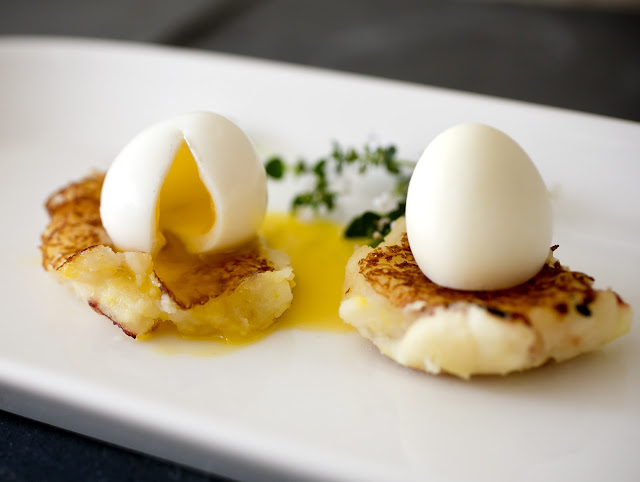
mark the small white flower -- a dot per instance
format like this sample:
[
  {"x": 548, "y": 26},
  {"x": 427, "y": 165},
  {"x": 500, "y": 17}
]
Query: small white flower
[{"x": 385, "y": 202}]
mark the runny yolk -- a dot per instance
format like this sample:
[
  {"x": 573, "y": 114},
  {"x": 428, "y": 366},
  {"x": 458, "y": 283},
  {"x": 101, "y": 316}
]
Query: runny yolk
[
  {"x": 318, "y": 255},
  {"x": 184, "y": 207}
]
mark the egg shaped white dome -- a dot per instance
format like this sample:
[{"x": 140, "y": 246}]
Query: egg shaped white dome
[
  {"x": 478, "y": 213},
  {"x": 228, "y": 167}
]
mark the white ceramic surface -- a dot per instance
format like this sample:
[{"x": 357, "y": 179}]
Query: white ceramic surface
[{"x": 302, "y": 404}]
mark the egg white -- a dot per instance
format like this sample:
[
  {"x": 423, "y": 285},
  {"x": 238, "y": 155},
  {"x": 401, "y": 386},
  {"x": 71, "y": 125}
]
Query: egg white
[
  {"x": 478, "y": 213},
  {"x": 228, "y": 166}
]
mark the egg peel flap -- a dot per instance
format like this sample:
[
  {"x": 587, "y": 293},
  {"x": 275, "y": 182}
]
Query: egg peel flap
[
  {"x": 478, "y": 213},
  {"x": 197, "y": 176}
]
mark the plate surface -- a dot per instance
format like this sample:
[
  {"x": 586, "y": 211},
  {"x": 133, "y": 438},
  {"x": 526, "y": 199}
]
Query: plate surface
[{"x": 302, "y": 404}]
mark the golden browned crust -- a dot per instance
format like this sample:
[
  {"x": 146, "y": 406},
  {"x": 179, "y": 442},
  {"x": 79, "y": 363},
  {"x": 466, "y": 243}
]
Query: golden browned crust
[
  {"x": 192, "y": 279},
  {"x": 392, "y": 272},
  {"x": 188, "y": 279},
  {"x": 75, "y": 222},
  {"x": 556, "y": 315},
  {"x": 229, "y": 294}
]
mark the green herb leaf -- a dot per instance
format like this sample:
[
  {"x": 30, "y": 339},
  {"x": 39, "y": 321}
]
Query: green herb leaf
[
  {"x": 374, "y": 226},
  {"x": 362, "y": 226},
  {"x": 397, "y": 212},
  {"x": 300, "y": 167},
  {"x": 322, "y": 198},
  {"x": 275, "y": 168},
  {"x": 319, "y": 168}
]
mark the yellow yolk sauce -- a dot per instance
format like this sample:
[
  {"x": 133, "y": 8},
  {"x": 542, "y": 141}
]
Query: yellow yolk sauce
[
  {"x": 185, "y": 206},
  {"x": 318, "y": 253}
]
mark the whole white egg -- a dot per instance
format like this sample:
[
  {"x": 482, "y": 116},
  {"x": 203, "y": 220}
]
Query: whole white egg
[
  {"x": 196, "y": 175},
  {"x": 478, "y": 213}
]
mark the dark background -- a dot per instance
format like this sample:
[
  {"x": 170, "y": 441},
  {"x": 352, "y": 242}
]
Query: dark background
[{"x": 581, "y": 55}]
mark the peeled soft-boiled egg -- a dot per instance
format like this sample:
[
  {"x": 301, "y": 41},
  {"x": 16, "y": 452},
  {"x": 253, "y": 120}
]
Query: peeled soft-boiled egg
[
  {"x": 478, "y": 213},
  {"x": 196, "y": 176}
]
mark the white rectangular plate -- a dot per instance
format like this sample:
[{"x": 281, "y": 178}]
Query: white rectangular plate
[{"x": 302, "y": 404}]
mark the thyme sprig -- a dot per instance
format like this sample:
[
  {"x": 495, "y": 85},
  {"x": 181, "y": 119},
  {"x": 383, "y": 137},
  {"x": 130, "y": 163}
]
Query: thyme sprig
[
  {"x": 323, "y": 197},
  {"x": 373, "y": 226}
]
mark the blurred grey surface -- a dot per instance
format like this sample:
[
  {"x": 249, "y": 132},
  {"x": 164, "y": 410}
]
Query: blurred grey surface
[
  {"x": 136, "y": 20},
  {"x": 586, "y": 58}
]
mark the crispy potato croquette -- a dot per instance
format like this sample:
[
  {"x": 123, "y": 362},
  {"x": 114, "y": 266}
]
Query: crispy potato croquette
[
  {"x": 230, "y": 294},
  {"x": 556, "y": 315}
]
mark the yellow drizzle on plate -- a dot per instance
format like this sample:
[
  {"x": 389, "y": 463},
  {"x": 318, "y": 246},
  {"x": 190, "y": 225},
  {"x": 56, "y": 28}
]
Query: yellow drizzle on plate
[{"x": 318, "y": 254}]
